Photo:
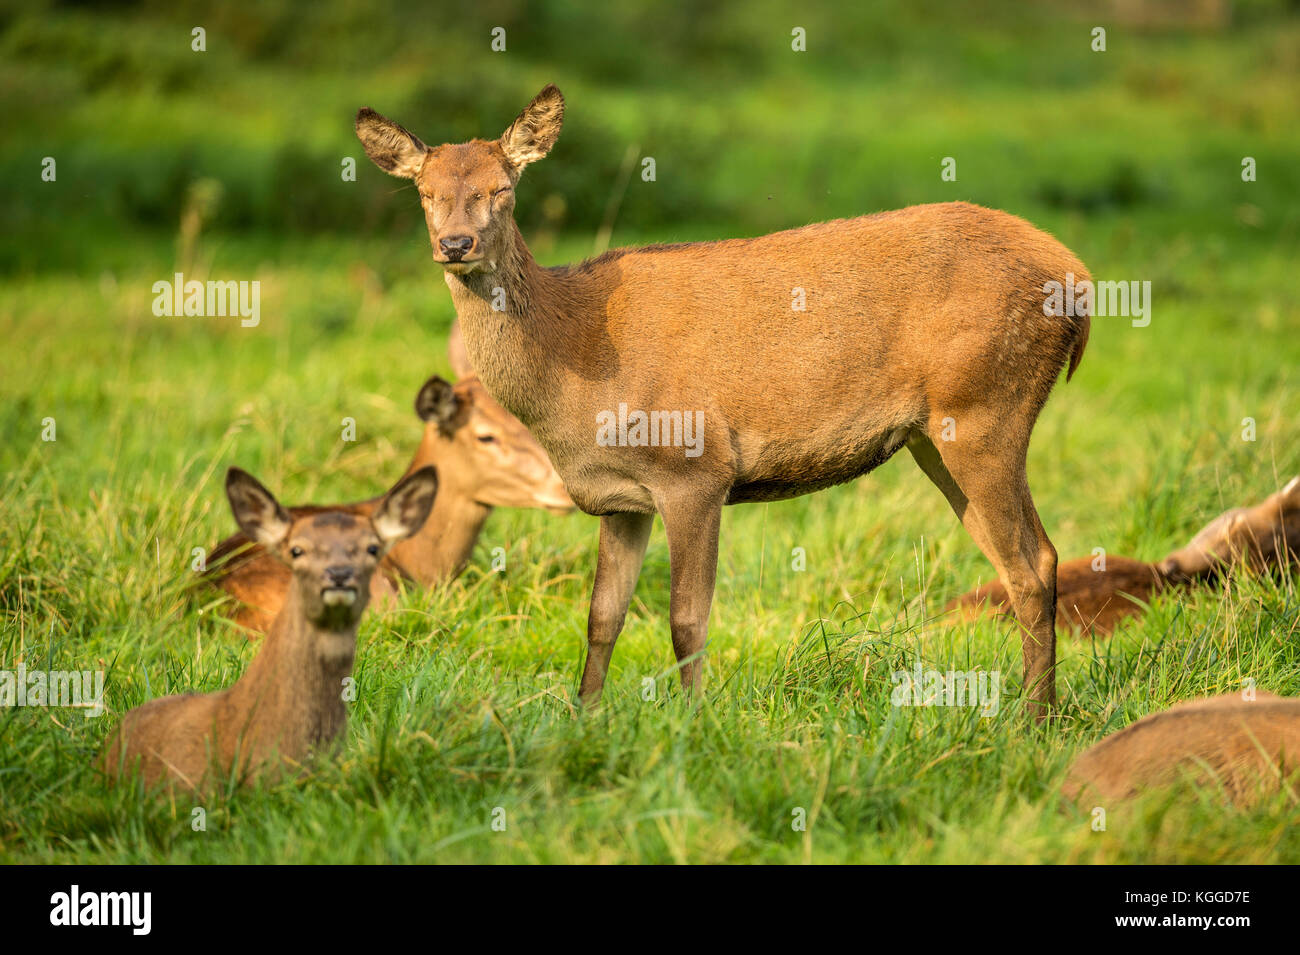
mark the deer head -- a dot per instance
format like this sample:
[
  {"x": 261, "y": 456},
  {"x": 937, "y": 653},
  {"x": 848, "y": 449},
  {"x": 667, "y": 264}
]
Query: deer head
[
  {"x": 1263, "y": 535},
  {"x": 332, "y": 554},
  {"x": 467, "y": 189},
  {"x": 484, "y": 449}
]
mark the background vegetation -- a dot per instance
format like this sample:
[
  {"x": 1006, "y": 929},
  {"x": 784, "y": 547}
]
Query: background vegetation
[{"x": 1132, "y": 157}]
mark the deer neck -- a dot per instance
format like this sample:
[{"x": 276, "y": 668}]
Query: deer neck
[
  {"x": 520, "y": 323},
  {"x": 293, "y": 690},
  {"x": 444, "y": 545}
]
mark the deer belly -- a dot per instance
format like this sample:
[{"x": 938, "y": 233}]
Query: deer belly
[{"x": 777, "y": 472}]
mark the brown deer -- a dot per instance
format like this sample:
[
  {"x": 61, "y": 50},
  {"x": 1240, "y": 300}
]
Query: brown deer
[
  {"x": 767, "y": 368},
  {"x": 1246, "y": 746},
  {"x": 1092, "y": 596},
  {"x": 485, "y": 459},
  {"x": 289, "y": 702}
]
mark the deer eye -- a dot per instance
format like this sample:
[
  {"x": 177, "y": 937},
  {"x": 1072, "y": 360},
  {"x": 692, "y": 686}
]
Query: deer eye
[
  {"x": 295, "y": 551},
  {"x": 487, "y": 438},
  {"x": 373, "y": 550}
]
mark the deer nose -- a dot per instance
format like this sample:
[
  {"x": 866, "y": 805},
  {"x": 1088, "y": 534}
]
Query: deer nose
[
  {"x": 455, "y": 246},
  {"x": 339, "y": 574}
]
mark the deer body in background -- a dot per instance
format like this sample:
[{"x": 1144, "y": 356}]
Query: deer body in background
[
  {"x": 485, "y": 459},
  {"x": 1095, "y": 597},
  {"x": 289, "y": 702},
  {"x": 807, "y": 358},
  {"x": 1246, "y": 746}
]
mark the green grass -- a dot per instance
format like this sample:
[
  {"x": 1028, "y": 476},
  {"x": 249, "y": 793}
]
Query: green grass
[{"x": 465, "y": 693}]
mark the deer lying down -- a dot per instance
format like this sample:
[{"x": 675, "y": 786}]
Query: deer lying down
[
  {"x": 485, "y": 459},
  {"x": 931, "y": 328},
  {"x": 288, "y": 704},
  {"x": 1259, "y": 537},
  {"x": 1248, "y": 747}
]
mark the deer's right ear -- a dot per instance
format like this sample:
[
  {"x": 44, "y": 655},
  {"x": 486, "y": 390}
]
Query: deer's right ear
[
  {"x": 389, "y": 146},
  {"x": 256, "y": 510},
  {"x": 437, "y": 403}
]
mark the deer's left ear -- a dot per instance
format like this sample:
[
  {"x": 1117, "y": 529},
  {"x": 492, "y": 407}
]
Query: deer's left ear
[
  {"x": 389, "y": 146},
  {"x": 406, "y": 507},
  {"x": 531, "y": 136}
]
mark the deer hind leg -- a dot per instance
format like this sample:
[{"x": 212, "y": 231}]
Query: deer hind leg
[
  {"x": 986, "y": 486},
  {"x": 623, "y": 539},
  {"x": 692, "y": 523}
]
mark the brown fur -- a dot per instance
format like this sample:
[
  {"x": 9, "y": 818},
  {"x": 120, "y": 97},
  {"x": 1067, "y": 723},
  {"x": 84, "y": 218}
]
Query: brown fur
[
  {"x": 288, "y": 704},
  {"x": 1086, "y": 599},
  {"x": 1262, "y": 536},
  {"x": 912, "y": 317},
  {"x": 1248, "y": 747},
  {"x": 485, "y": 459}
]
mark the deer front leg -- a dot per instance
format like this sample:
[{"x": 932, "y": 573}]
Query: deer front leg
[
  {"x": 691, "y": 524},
  {"x": 622, "y": 546}
]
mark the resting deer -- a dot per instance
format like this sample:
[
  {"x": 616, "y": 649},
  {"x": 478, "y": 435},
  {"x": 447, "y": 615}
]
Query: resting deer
[
  {"x": 772, "y": 366},
  {"x": 485, "y": 459},
  {"x": 289, "y": 702},
  {"x": 1246, "y": 746},
  {"x": 1092, "y": 596}
]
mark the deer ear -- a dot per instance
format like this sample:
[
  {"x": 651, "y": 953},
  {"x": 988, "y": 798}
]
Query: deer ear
[
  {"x": 389, "y": 146},
  {"x": 256, "y": 510},
  {"x": 406, "y": 507},
  {"x": 1290, "y": 493},
  {"x": 1238, "y": 533},
  {"x": 456, "y": 352},
  {"x": 437, "y": 402},
  {"x": 534, "y": 132}
]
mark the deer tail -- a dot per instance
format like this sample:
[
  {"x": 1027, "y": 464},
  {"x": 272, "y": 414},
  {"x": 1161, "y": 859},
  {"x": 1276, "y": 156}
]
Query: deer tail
[{"x": 1083, "y": 325}]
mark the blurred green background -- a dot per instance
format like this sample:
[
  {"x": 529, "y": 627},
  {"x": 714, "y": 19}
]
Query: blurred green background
[{"x": 748, "y": 136}]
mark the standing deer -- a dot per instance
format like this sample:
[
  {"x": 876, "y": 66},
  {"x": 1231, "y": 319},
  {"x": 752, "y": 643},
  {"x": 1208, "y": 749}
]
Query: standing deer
[
  {"x": 808, "y": 357},
  {"x": 485, "y": 459},
  {"x": 289, "y": 703},
  {"x": 1097, "y": 598}
]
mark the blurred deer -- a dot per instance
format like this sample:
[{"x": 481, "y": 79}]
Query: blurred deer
[
  {"x": 289, "y": 702},
  {"x": 485, "y": 459},
  {"x": 1259, "y": 537},
  {"x": 1246, "y": 746}
]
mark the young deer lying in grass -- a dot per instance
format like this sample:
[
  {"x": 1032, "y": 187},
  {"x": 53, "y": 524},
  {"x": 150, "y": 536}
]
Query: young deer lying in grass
[
  {"x": 1260, "y": 537},
  {"x": 485, "y": 459},
  {"x": 804, "y": 359},
  {"x": 289, "y": 702},
  {"x": 1248, "y": 747}
]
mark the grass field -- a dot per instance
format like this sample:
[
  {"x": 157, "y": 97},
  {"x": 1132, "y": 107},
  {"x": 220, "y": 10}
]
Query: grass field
[{"x": 465, "y": 710}]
